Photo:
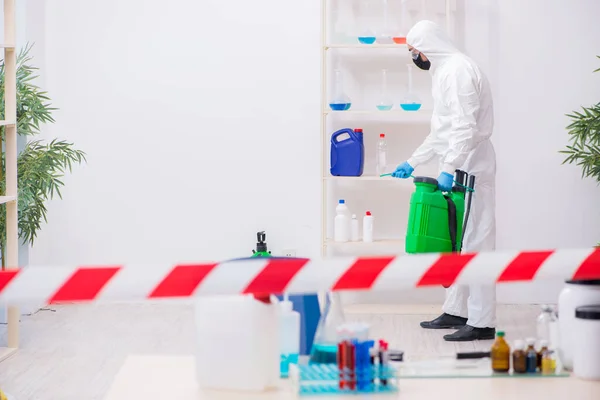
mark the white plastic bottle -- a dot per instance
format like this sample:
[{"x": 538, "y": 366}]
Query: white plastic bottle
[
  {"x": 381, "y": 156},
  {"x": 354, "y": 235},
  {"x": 368, "y": 227},
  {"x": 289, "y": 336},
  {"x": 341, "y": 223}
]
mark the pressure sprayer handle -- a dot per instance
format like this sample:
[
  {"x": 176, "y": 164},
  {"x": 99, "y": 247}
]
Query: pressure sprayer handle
[
  {"x": 471, "y": 187},
  {"x": 468, "y": 189}
]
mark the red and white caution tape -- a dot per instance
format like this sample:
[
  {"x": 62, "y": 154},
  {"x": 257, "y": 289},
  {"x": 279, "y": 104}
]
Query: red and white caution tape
[{"x": 292, "y": 275}]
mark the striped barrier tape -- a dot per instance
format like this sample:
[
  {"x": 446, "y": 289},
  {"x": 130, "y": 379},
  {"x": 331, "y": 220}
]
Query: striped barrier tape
[{"x": 47, "y": 285}]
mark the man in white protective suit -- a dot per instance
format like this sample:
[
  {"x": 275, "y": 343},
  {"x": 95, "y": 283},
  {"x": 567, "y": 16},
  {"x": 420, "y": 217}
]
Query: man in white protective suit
[{"x": 461, "y": 127}]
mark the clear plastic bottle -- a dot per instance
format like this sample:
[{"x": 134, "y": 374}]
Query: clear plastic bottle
[
  {"x": 385, "y": 103},
  {"x": 381, "y": 156},
  {"x": 339, "y": 101},
  {"x": 341, "y": 223}
]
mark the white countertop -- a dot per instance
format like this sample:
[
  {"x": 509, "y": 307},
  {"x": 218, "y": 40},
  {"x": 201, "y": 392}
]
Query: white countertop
[{"x": 173, "y": 377}]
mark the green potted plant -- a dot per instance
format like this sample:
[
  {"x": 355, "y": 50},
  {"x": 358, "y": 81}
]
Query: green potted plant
[
  {"x": 40, "y": 165},
  {"x": 584, "y": 136}
]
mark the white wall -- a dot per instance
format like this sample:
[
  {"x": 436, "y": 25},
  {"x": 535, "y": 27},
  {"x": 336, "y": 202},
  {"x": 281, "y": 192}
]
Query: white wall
[{"x": 201, "y": 122}]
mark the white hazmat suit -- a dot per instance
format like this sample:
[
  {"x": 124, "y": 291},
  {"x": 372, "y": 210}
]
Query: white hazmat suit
[{"x": 461, "y": 127}]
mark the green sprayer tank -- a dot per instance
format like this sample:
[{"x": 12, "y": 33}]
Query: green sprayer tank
[{"x": 435, "y": 220}]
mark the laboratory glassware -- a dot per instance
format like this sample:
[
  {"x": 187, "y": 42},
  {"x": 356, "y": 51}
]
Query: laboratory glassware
[
  {"x": 546, "y": 325},
  {"x": 339, "y": 101},
  {"x": 385, "y": 103},
  {"x": 400, "y": 36},
  {"x": 384, "y": 36},
  {"x": 411, "y": 101},
  {"x": 324, "y": 350},
  {"x": 367, "y": 33}
]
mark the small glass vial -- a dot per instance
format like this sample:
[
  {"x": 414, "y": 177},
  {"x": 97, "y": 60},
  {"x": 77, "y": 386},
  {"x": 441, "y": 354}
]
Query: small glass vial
[
  {"x": 548, "y": 366},
  {"x": 519, "y": 358},
  {"x": 531, "y": 356},
  {"x": 500, "y": 354},
  {"x": 543, "y": 348}
]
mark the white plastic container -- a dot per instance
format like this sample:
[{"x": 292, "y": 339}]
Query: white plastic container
[
  {"x": 354, "y": 228},
  {"x": 289, "y": 336},
  {"x": 341, "y": 223},
  {"x": 368, "y": 227},
  {"x": 575, "y": 294},
  {"x": 586, "y": 349},
  {"x": 237, "y": 343}
]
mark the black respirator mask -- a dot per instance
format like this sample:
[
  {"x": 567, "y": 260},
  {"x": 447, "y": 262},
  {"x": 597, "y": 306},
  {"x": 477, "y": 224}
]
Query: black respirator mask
[{"x": 419, "y": 62}]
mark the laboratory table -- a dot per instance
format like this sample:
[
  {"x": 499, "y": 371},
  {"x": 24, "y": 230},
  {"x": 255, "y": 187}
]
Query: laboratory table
[{"x": 145, "y": 377}]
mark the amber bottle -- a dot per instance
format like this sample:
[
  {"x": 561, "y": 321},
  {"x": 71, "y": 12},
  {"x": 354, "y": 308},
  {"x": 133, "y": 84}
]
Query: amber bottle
[
  {"x": 519, "y": 358},
  {"x": 500, "y": 354}
]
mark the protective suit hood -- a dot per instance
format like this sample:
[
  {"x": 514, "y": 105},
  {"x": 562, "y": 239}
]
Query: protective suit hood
[{"x": 430, "y": 39}]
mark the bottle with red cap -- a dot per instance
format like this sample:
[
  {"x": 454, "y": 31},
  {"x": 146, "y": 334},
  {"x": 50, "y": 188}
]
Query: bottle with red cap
[
  {"x": 368, "y": 227},
  {"x": 381, "y": 156}
]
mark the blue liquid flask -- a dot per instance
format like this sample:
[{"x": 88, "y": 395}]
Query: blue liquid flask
[
  {"x": 339, "y": 101},
  {"x": 325, "y": 346},
  {"x": 367, "y": 34},
  {"x": 411, "y": 101},
  {"x": 385, "y": 103}
]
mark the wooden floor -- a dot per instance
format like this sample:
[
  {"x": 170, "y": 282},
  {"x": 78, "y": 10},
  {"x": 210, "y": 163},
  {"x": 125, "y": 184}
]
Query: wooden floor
[{"x": 73, "y": 352}]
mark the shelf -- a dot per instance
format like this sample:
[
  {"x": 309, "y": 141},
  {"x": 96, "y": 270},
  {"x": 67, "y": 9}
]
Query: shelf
[
  {"x": 407, "y": 182},
  {"x": 6, "y": 123},
  {"x": 6, "y": 352},
  {"x": 7, "y": 199},
  {"x": 377, "y": 247},
  {"x": 408, "y": 116},
  {"x": 7, "y": 46},
  {"x": 367, "y": 46}
]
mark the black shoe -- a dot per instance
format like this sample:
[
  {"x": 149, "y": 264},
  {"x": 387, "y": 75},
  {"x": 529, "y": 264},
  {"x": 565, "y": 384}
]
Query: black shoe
[
  {"x": 445, "y": 321},
  {"x": 469, "y": 333}
]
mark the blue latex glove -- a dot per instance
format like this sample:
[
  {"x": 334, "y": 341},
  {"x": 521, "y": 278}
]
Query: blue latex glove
[
  {"x": 403, "y": 171},
  {"x": 445, "y": 181}
]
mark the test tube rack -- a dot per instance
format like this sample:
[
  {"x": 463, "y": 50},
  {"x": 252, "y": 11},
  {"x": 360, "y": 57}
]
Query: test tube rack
[{"x": 324, "y": 379}]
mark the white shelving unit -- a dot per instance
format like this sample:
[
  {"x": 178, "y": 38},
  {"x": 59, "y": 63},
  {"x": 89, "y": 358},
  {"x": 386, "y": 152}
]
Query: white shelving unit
[
  {"x": 397, "y": 117},
  {"x": 10, "y": 149}
]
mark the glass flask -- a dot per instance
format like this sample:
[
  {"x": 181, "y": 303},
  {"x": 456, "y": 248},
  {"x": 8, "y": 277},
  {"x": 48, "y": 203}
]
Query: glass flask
[
  {"x": 411, "y": 101},
  {"x": 339, "y": 101},
  {"x": 400, "y": 36},
  {"x": 324, "y": 349},
  {"x": 367, "y": 33},
  {"x": 546, "y": 325},
  {"x": 385, "y": 103},
  {"x": 384, "y": 35}
]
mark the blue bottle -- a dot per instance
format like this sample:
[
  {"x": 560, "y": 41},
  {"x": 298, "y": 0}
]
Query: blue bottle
[{"x": 347, "y": 152}]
